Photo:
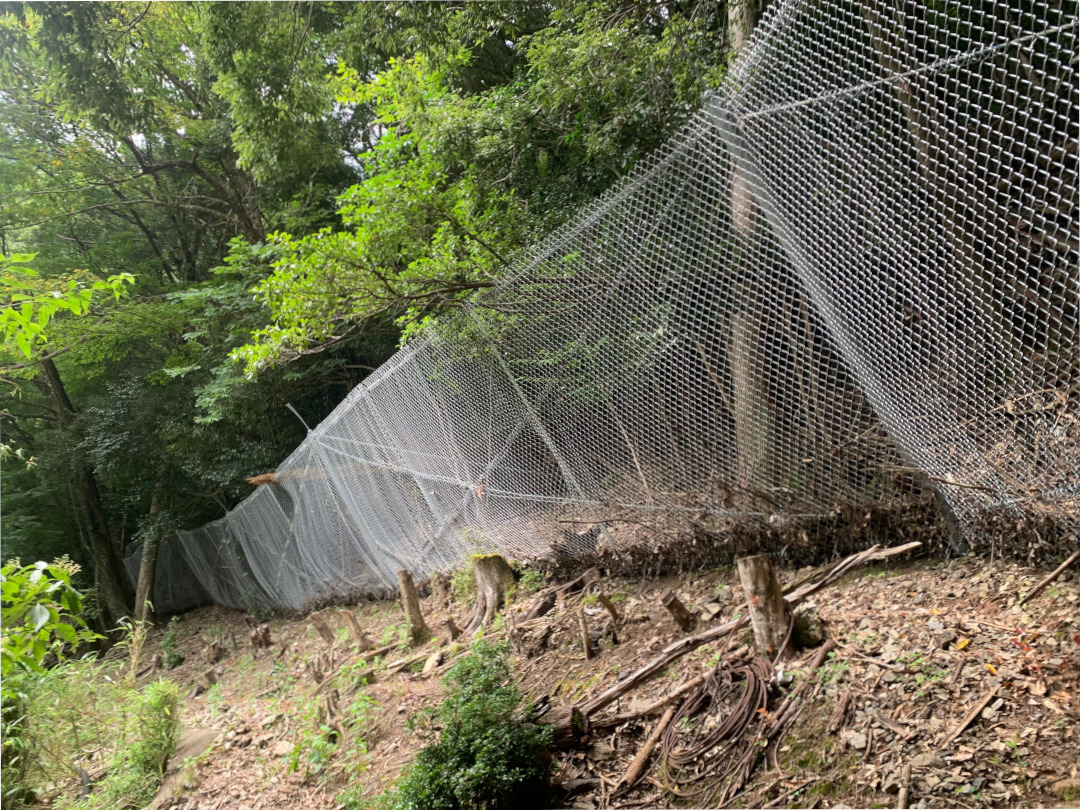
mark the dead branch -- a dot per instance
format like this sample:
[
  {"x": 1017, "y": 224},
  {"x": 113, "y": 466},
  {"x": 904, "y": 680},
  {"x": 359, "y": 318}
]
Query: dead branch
[
  {"x": 648, "y": 711},
  {"x": 1057, "y": 572},
  {"x": 637, "y": 767},
  {"x": 970, "y": 716}
]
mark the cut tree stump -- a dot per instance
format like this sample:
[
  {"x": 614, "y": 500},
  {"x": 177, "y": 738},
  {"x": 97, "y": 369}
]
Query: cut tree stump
[
  {"x": 569, "y": 727},
  {"x": 410, "y": 600},
  {"x": 324, "y": 629},
  {"x": 683, "y": 617},
  {"x": 768, "y": 611},
  {"x": 438, "y": 589},
  {"x": 493, "y": 578},
  {"x": 363, "y": 643}
]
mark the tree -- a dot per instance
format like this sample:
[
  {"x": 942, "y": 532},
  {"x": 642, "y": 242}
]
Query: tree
[{"x": 493, "y": 125}]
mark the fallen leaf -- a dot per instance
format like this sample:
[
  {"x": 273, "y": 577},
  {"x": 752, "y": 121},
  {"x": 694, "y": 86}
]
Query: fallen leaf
[
  {"x": 992, "y": 668},
  {"x": 962, "y": 643}
]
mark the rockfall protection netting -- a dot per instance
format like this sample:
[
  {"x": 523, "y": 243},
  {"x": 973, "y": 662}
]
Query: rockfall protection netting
[{"x": 852, "y": 280}]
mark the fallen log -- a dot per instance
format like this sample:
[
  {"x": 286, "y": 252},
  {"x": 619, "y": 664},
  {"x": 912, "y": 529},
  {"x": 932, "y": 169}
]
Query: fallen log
[
  {"x": 541, "y": 606},
  {"x": 651, "y": 709}
]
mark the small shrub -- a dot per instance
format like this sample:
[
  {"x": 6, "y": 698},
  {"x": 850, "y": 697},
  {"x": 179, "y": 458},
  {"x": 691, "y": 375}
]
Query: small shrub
[
  {"x": 169, "y": 646},
  {"x": 483, "y": 755},
  {"x": 531, "y": 581}
]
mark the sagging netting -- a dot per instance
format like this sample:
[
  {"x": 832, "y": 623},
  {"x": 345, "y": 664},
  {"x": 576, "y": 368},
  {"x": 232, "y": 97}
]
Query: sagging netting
[{"x": 851, "y": 279}]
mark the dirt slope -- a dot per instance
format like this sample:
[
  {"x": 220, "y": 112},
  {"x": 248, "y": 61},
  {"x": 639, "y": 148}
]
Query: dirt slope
[{"x": 920, "y": 645}]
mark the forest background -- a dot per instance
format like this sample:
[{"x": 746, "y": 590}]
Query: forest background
[{"x": 269, "y": 199}]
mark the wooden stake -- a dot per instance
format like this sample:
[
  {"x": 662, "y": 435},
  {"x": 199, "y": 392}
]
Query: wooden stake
[
  {"x": 410, "y": 600},
  {"x": 586, "y": 642},
  {"x": 765, "y": 598},
  {"x": 683, "y": 617},
  {"x": 1057, "y": 572}
]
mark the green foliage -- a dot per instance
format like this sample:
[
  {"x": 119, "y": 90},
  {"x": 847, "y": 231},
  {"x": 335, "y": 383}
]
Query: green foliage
[
  {"x": 132, "y": 729},
  {"x": 320, "y": 742},
  {"x": 27, "y": 305},
  {"x": 169, "y": 647},
  {"x": 137, "y": 770},
  {"x": 463, "y": 584},
  {"x": 530, "y": 581},
  {"x": 40, "y": 612},
  {"x": 483, "y": 755}
]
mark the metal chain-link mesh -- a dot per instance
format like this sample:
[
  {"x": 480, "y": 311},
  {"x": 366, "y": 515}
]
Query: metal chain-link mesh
[{"x": 852, "y": 278}]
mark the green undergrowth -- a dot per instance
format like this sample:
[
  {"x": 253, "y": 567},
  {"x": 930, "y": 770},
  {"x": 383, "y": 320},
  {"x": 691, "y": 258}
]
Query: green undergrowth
[
  {"x": 480, "y": 754},
  {"x": 131, "y": 730}
]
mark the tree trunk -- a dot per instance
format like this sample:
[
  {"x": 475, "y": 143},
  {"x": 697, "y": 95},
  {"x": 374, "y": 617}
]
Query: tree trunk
[
  {"x": 493, "y": 577},
  {"x": 410, "y": 601},
  {"x": 144, "y": 587},
  {"x": 748, "y": 344},
  {"x": 112, "y": 595},
  {"x": 765, "y": 598}
]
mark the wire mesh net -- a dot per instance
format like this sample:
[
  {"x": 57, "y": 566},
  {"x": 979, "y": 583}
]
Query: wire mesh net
[{"x": 852, "y": 279}]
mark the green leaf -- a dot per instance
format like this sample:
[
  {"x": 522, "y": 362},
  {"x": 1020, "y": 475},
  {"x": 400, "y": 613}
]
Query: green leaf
[
  {"x": 38, "y": 616},
  {"x": 23, "y": 342},
  {"x": 66, "y": 632}
]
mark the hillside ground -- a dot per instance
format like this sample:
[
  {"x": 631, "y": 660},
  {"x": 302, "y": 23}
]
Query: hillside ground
[{"x": 919, "y": 645}]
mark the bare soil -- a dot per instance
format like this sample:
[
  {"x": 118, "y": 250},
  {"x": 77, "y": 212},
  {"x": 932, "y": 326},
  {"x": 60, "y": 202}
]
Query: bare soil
[{"x": 920, "y": 645}]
